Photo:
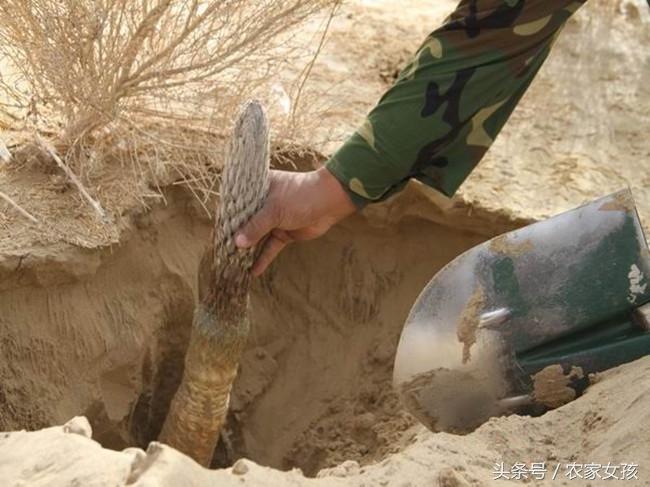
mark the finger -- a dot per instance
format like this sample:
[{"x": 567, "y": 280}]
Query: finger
[
  {"x": 256, "y": 228},
  {"x": 272, "y": 247}
]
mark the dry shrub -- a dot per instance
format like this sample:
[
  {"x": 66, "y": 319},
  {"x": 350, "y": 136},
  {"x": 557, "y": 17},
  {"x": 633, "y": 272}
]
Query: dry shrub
[{"x": 150, "y": 84}]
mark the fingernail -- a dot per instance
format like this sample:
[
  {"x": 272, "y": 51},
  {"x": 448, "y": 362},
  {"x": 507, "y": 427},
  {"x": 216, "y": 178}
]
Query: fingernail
[{"x": 241, "y": 241}]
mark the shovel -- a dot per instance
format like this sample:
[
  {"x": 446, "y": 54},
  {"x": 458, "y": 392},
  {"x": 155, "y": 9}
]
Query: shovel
[{"x": 518, "y": 323}]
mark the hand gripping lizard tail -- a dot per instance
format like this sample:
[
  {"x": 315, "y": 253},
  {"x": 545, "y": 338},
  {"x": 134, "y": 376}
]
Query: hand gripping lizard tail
[{"x": 221, "y": 325}]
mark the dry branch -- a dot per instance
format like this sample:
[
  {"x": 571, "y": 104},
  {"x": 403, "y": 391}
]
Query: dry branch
[
  {"x": 18, "y": 208},
  {"x": 5, "y": 155},
  {"x": 145, "y": 75},
  {"x": 73, "y": 178}
]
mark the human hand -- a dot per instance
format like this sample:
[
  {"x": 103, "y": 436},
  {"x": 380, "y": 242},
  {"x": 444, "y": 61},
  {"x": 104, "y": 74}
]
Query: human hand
[{"x": 299, "y": 206}]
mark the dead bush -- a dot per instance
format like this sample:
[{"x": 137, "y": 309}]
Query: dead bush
[{"x": 146, "y": 83}]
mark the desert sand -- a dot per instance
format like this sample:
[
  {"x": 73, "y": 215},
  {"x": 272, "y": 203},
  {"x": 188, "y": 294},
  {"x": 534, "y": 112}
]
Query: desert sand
[
  {"x": 609, "y": 424},
  {"x": 95, "y": 319}
]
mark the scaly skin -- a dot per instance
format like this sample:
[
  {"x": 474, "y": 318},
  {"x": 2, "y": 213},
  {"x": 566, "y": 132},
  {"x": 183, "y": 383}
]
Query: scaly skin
[{"x": 220, "y": 326}]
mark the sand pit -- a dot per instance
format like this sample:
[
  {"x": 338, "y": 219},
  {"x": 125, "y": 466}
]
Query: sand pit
[
  {"x": 95, "y": 319},
  {"x": 319, "y": 363}
]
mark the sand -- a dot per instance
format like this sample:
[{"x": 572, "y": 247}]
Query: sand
[
  {"x": 95, "y": 318},
  {"x": 596, "y": 428}
]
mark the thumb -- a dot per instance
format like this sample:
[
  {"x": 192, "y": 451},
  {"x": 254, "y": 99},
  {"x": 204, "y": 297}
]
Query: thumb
[{"x": 260, "y": 224}]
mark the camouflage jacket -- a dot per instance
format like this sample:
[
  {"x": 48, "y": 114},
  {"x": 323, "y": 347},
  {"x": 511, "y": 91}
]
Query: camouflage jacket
[{"x": 449, "y": 103}]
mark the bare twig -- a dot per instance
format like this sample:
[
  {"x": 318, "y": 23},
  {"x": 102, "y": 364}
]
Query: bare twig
[
  {"x": 5, "y": 155},
  {"x": 73, "y": 178},
  {"x": 304, "y": 76},
  {"x": 18, "y": 208}
]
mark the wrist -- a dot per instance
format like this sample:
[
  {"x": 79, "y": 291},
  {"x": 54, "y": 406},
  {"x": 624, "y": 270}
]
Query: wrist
[{"x": 337, "y": 200}]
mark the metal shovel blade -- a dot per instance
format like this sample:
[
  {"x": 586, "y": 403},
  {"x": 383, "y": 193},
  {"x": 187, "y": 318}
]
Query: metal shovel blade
[{"x": 556, "y": 297}]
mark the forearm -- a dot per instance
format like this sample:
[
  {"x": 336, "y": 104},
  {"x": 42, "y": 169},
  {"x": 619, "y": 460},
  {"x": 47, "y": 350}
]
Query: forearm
[{"x": 448, "y": 105}]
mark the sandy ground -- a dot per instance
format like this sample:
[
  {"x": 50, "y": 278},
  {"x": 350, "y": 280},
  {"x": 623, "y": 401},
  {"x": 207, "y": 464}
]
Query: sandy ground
[
  {"x": 95, "y": 317},
  {"x": 595, "y": 429}
]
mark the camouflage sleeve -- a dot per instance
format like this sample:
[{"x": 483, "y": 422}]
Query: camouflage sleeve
[{"x": 448, "y": 105}]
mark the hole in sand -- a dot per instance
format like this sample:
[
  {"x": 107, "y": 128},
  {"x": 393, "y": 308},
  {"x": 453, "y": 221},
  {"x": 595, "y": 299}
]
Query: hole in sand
[{"x": 315, "y": 383}]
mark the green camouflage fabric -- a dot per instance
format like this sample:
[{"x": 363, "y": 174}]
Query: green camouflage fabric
[{"x": 447, "y": 106}]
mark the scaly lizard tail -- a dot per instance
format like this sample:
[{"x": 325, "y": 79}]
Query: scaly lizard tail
[{"x": 220, "y": 327}]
